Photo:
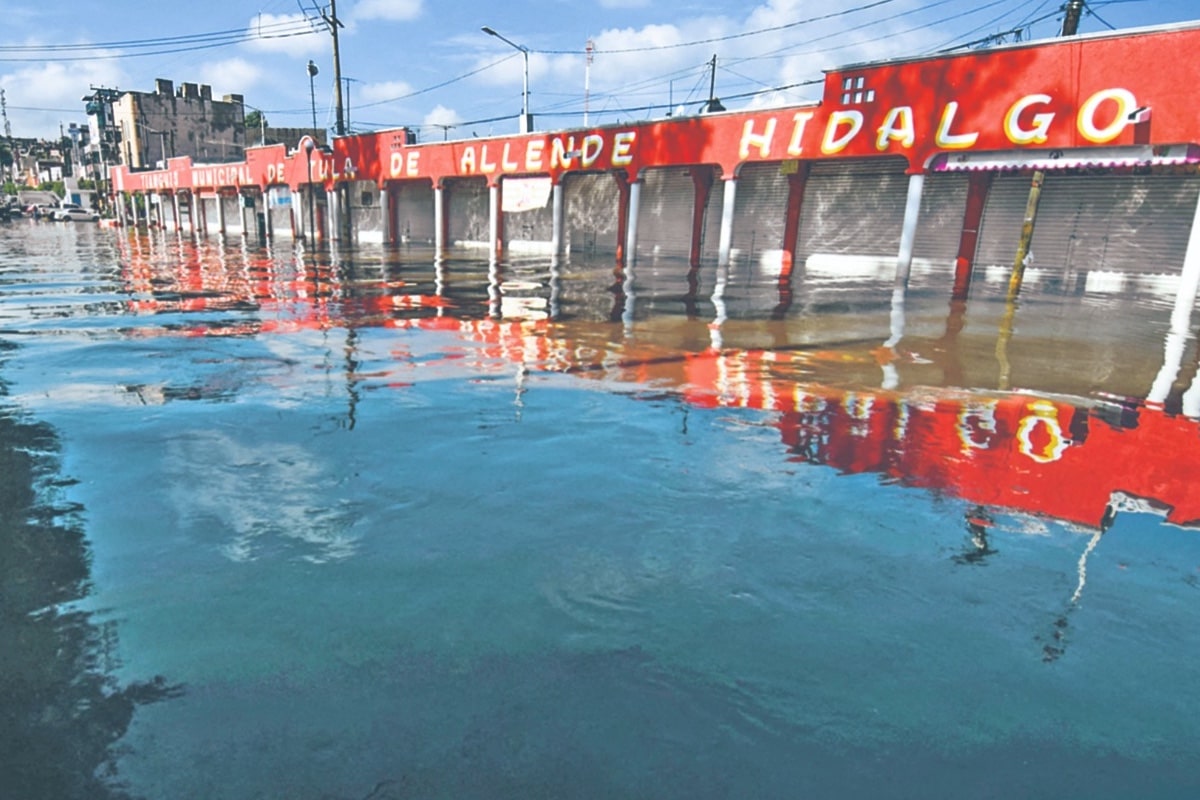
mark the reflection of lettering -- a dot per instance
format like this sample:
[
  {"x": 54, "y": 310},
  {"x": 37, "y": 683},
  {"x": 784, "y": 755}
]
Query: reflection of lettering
[{"x": 1043, "y": 421}]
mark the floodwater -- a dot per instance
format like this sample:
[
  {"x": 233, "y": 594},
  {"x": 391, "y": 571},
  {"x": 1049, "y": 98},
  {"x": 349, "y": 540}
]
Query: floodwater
[{"x": 354, "y": 524}]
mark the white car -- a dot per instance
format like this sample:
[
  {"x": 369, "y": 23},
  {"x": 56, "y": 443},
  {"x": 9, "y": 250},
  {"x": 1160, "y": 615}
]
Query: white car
[{"x": 75, "y": 214}]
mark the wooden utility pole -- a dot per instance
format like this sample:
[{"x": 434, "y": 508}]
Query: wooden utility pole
[{"x": 1074, "y": 10}]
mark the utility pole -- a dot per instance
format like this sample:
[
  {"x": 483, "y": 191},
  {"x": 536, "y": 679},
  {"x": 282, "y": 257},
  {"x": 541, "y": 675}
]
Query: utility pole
[
  {"x": 587, "y": 80},
  {"x": 1071, "y": 21},
  {"x": 334, "y": 23},
  {"x": 1070, "y": 26}
]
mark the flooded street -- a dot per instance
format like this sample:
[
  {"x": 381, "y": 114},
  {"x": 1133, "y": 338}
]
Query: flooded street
[{"x": 358, "y": 524}]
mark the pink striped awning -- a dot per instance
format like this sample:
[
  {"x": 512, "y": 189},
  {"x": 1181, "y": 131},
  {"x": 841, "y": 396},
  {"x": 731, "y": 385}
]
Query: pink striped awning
[{"x": 1127, "y": 156}]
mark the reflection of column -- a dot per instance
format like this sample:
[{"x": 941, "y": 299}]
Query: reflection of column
[
  {"x": 556, "y": 230},
  {"x": 725, "y": 243},
  {"x": 718, "y": 301},
  {"x": 494, "y": 223},
  {"x": 631, "y": 233},
  {"x": 1181, "y": 317},
  {"x": 439, "y": 221}
]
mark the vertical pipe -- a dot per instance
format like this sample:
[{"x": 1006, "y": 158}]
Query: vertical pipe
[
  {"x": 556, "y": 234},
  {"x": 725, "y": 243},
  {"x": 439, "y": 221},
  {"x": 494, "y": 222},
  {"x": 631, "y": 234},
  {"x": 978, "y": 185},
  {"x": 1181, "y": 319}
]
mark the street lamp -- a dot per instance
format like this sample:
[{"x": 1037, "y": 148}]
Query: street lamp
[
  {"x": 309, "y": 145},
  {"x": 525, "y": 126},
  {"x": 312, "y": 94}
]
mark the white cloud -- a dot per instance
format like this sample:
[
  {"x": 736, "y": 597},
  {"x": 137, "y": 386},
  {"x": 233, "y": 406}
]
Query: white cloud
[
  {"x": 40, "y": 96},
  {"x": 381, "y": 92},
  {"x": 231, "y": 76},
  {"x": 441, "y": 115},
  {"x": 292, "y": 34},
  {"x": 394, "y": 10}
]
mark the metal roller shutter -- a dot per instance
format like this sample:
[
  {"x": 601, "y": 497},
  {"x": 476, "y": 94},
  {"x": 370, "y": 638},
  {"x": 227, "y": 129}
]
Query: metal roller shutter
[
  {"x": 759, "y": 213},
  {"x": 467, "y": 211},
  {"x": 853, "y": 208},
  {"x": 413, "y": 211},
  {"x": 939, "y": 230},
  {"x": 233, "y": 214},
  {"x": 1131, "y": 224},
  {"x": 665, "y": 216},
  {"x": 591, "y": 205}
]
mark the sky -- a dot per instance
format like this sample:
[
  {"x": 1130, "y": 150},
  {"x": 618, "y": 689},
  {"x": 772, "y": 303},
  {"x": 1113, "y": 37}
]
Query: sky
[{"x": 428, "y": 65}]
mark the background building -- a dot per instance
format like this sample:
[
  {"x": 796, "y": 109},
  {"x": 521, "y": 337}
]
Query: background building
[{"x": 143, "y": 129}]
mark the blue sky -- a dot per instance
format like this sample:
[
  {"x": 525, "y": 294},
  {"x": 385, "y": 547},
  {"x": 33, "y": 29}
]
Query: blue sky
[{"x": 427, "y": 65}]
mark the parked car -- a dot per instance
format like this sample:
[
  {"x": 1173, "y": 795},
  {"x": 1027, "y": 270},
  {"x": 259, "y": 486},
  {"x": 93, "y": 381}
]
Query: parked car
[{"x": 75, "y": 214}]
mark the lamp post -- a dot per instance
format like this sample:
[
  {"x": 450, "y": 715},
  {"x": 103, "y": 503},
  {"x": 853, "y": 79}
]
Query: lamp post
[
  {"x": 525, "y": 126},
  {"x": 312, "y": 94},
  {"x": 309, "y": 144}
]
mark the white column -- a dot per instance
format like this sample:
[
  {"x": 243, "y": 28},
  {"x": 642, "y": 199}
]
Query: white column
[
  {"x": 631, "y": 228},
  {"x": 439, "y": 227},
  {"x": 725, "y": 243},
  {"x": 908, "y": 234},
  {"x": 385, "y": 213},
  {"x": 1181, "y": 323},
  {"x": 493, "y": 220},
  {"x": 333, "y": 225},
  {"x": 556, "y": 235},
  {"x": 178, "y": 217},
  {"x": 220, "y": 213}
]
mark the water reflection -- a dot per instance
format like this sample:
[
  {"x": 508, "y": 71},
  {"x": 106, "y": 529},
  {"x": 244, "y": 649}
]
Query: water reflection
[
  {"x": 936, "y": 420},
  {"x": 62, "y": 710}
]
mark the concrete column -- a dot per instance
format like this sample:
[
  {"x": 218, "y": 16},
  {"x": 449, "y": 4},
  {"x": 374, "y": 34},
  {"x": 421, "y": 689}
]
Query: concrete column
[
  {"x": 908, "y": 234},
  {"x": 1181, "y": 323},
  {"x": 631, "y": 232},
  {"x": 725, "y": 243},
  {"x": 220, "y": 213},
  {"x": 439, "y": 222},
  {"x": 385, "y": 213},
  {"x": 494, "y": 223},
  {"x": 178, "y": 216},
  {"x": 332, "y": 203},
  {"x": 556, "y": 234}
]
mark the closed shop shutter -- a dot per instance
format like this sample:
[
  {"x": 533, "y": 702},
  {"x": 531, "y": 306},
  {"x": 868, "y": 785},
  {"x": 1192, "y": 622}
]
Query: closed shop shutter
[
  {"x": 939, "y": 230},
  {"x": 468, "y": 213},
  {"x": 759, "y": 213},
  {"x": 413, "y": 212},
  {"x": 591, "y": 205},
  {"x": 1131, "y": 224},
  {"x": 665, "y": 216},
  {"x": 855, "y": 209}
]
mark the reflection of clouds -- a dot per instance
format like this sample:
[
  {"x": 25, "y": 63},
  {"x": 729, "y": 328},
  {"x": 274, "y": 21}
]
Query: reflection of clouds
[{"x": 255, "y": 498}]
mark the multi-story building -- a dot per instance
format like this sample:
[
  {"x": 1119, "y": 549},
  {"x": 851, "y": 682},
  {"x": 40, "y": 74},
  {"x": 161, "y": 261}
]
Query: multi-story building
[{"x": 144, "y": 129}]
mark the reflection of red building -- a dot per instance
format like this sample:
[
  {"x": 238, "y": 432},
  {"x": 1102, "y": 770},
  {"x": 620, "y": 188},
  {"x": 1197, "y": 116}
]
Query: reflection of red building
[
  {"x": 1006, "y": 450},
  {"x": 1012, "y": 451}
]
